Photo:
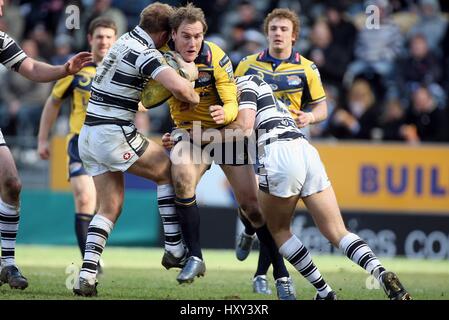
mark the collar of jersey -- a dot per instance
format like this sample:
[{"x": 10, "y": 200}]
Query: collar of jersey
[
  {"x": 295, "y": 57},
  {"x": 142, "y": 35}
]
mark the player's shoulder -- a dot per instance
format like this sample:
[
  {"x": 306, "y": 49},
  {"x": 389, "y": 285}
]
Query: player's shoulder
[
  {"x": 252, "y": 58},
  {"x": 307, "y": 63}
]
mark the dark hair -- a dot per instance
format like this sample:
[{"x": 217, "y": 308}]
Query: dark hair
[{"x": 101, "y": 22}]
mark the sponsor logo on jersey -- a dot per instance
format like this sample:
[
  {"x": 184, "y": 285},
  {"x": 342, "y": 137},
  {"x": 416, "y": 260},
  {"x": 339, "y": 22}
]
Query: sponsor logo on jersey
[
  {"x": 293, "y": 80},
  {"x": 127, "y": 155},
  {"x": 224, "y": 61},
  {"x": 204, "y": 76}
]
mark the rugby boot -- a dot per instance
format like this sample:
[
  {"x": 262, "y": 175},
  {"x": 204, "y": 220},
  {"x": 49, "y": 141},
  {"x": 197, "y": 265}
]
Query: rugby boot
[
  {"x": 170, "y": 261},
  {"x": 194, "y": 267},
  {"x": 285, "y": 289},
  {"x": 393, "y": 287},
  {"x": 12, "y": 276},
  {"x": 260, "y": 285}
]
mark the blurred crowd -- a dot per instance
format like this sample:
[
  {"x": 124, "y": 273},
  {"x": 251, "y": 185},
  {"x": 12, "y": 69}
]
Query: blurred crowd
[{"x": 384, "y": 82}]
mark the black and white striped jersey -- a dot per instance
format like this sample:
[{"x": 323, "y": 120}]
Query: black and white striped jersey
[
  {"x": 119, "y": 81},
  {"x": 273, "y": 120},
  {"x": 11, "y": 55}
]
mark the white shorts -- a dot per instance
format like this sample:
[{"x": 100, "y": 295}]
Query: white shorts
[
  {"x": 289, "y": 168},
  {"x": 110, "y": 147},
  {"x": 2, "y": 140}
]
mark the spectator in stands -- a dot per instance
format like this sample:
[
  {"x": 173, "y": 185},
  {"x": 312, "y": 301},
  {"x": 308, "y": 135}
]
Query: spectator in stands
[
  {"x": 253, "y": 42},
  {"x": 105, "y": 8},
  {"x": 392, "y": 120},
  {"x": 425, "y": 121},
  {"x": 431, "y": 24},
  {"x": 343, "y": 30},
  {"x": 421, "y": 65},
  {"x": 376, "y": 49},
  {"x": 329, "y": 57},
  {"x": 359, "y": 120}
]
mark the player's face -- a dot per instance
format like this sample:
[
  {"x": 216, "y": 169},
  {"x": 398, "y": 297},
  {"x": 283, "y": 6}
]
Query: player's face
[
  {"x": 280, "y": 35},
  {"x": 188, "y": 39},
  {"x": 100, "y": 41}
]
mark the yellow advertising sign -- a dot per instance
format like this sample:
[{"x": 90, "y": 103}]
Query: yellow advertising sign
[{"x": 388, "y": 177}]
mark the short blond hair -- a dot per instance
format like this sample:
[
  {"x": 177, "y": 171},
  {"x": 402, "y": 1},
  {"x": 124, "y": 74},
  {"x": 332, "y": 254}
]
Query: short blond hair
[
  {"x": 283, "y": 14},
  {"x": 190, "y": 14},
  {"x": 156, "y": 17}
]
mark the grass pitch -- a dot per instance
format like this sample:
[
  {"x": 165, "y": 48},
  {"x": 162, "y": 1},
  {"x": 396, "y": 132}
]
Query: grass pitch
[{"x": 137, "y": 274}]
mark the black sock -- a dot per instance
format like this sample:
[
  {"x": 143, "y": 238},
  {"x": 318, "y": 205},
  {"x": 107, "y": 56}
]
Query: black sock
[
  {"x": 189, "y": 217},
  {"x": 264, "y": 262},
  {"x": 249, "y": 229},
  {"x": 279, "y": 268},
  {"x": 82, "y": 221}
]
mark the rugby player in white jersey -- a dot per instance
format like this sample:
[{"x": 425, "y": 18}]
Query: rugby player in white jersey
[{"x": 109, "y": 143}]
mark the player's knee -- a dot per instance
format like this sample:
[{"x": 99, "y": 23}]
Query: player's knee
[
  {"x": 253, "y": 213},
  {"x": 83, "y": 199},
  {"x": 184, "y": 184},
  {"x": 12, "y": 187}
]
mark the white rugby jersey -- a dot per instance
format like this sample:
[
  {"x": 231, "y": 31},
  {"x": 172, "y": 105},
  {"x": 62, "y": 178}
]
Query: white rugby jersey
[
  {"x": 119, "y": 81},
  {"x": 11, "y": 55},
  {"x": 273, "y": 120}
]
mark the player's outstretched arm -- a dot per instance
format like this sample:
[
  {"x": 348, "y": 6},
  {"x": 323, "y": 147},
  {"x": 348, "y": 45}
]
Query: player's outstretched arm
[{"x": 43, "y": 72}]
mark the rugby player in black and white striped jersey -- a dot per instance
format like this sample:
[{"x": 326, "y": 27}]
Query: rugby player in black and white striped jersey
[
  {"x": 289, "y": 169},
  {"x": 109, "y": 143}
]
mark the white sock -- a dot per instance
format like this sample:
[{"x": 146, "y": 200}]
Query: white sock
[
  {"x": 9, "y": 225},
  {"x": 99, "y": 229},
  {"x": 297, "y": 254},
  {"x": 170, "y": 220},
  {"x": 358, "y": 251}
]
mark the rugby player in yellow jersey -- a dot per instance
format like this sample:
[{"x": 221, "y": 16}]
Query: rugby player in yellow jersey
[
  {"x": 218, "y": 107},
  {"x": 101, "y": 35}
]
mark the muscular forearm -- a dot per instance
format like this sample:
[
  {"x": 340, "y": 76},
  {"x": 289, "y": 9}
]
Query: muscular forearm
[
  {"x": 41, "y": 71},
  {"x": 319, "y": 112},
  {"x": 48, "y": 118}
]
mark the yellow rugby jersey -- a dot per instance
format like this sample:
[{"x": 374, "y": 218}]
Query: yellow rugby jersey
[
  {"x": 295, "y": 81},
  {"x": 78, "y": 87},
  {"x": 215, "y": 85}
]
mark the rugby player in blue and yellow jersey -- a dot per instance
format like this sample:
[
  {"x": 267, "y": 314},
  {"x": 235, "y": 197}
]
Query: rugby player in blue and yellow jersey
[
  {"x": 101, "y": 35},
  {"x": 218, "y": 107}
]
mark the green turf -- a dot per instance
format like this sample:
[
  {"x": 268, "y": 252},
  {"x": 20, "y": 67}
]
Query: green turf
[{"x": 137, "y": 274}]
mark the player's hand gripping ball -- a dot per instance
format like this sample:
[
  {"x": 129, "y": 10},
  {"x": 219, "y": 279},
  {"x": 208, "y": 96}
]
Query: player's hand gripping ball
[{"x": 154, "y": 93}]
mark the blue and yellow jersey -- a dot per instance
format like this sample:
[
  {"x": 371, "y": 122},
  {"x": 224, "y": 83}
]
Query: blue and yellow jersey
[
  {"x": 77, "y": 87},
  {"x": 215, "y": 86},
  {"x": 295, "y": 81}
]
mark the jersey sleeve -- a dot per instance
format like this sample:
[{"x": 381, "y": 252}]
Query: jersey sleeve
[
  {"x": 63, "y": 88},
  {"x": 242, "y": 67},
  {"x": 224, "y": 83},
  {"x": 11, "y": 55},
  {"x": 315, "y": 86},
  {"x": 247, "y": 96},
  {"x": 150, "y": 62}
]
